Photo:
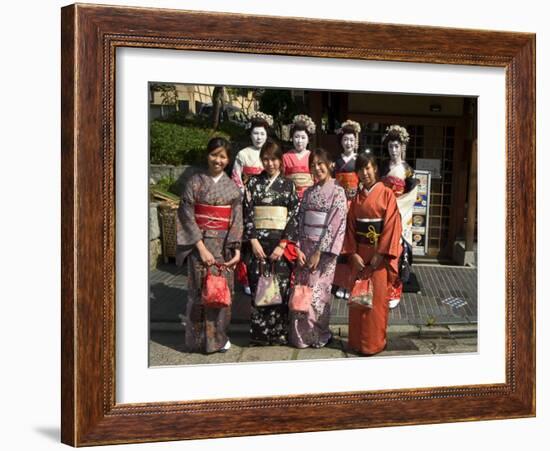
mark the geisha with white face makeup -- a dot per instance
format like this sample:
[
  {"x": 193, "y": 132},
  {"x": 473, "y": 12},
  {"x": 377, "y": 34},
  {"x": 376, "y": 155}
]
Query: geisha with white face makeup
[
  {"x": 248, "y": 162},
  {"x": 258, "y": 136},
  {"x": 399, "y": 177},
  {"x": 295, "y": 161}
]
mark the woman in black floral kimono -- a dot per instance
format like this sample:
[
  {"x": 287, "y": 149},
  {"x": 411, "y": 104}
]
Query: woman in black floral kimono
[{"x": 270, "y": 225}]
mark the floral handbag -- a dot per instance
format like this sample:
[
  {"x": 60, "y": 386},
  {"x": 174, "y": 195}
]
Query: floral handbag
[
  {"x": 267, "y": 291},
  {"x": 215, "y": 291},
  {"x": 301, "y": 297},
  {"x": 361, "y": 293}
]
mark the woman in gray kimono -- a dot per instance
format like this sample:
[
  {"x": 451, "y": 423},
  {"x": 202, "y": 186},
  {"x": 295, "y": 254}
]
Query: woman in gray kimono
[
  {"x": 322, "y": 225},
  {"x": 209, "y": 232}
]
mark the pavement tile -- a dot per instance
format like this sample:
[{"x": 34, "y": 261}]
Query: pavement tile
[{"x": 267, "y": 353}]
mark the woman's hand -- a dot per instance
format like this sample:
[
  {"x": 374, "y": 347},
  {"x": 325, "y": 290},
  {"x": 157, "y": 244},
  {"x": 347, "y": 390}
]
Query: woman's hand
[
  {"x": 314, "y": 260},
  {"x": 257, "y": 249},
  {"x": 277, "y": 253},
  {"x": 206, "y": 256},
  {"x": 357, "y": 262},
  {"x": 300, "y": 257},
  {"x": 376, "y": 260},
  {"x": 233, "y": 262}
]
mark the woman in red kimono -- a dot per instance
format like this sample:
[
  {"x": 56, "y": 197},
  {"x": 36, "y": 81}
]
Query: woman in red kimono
[{"x": 372, "y": 243}]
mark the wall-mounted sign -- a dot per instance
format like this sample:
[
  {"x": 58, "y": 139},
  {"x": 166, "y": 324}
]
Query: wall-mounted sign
[{"x": 421, "y": 213}]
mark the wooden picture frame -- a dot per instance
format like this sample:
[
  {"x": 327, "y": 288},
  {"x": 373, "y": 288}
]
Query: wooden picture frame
[{"x": 90, "y": 36}]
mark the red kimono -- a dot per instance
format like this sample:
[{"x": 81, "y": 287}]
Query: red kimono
[{"x": 373, "y": 226}]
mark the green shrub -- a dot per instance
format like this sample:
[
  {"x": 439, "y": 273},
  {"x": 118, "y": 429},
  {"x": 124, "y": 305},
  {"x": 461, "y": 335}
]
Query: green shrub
[{"x": 178, "y": 144}]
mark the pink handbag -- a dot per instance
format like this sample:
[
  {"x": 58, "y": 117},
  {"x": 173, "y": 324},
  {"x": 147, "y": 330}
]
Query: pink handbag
[{"x": 301, "y": 298}]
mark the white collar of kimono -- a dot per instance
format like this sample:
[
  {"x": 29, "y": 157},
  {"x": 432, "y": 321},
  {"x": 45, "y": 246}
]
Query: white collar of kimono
[
  {"x": 349, "y": 157},
  {"x": 217, "y": 178},
  {"x": 272, "y": 179}
]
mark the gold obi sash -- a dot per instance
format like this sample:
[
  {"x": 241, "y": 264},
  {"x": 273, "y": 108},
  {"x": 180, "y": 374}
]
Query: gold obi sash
[
  {"x": 300, "y": 176},
  {"x": 314, "y": 223},
  {"x": 267, "y": 217},
  {"x": 367, "y": 231}
]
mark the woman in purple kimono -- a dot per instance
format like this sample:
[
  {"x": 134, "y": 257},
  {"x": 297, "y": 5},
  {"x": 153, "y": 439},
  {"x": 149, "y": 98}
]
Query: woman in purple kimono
[
  {"x": 322, "y": 225},
  {"x": 210, "y": 228}
]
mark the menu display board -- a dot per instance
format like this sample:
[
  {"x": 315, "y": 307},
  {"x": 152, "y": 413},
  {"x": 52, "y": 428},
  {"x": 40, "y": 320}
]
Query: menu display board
[{"x": 421, "y": 213}]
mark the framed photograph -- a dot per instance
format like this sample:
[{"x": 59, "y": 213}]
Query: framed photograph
[{"x": 137, "y": 82}]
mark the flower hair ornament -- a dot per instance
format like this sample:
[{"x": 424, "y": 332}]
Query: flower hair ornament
[
  {"x": 258, "y": 116},
  {"x": 396, "y": 133},
  {"x": 306, "y": 121},
  {"x": 355, "y": 126}
]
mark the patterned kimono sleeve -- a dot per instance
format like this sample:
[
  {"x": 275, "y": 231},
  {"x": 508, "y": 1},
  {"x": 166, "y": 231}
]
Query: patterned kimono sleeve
[
  {"x": 188, "y": 233},
  {"x": 237, "y": 172},
  {"x": 291, "y": 230},
  {"x": 248, "y": 207},
  {"x": 333, "y": 237},
  {"x": 350, "y": 245},
  {"x": 235, "y": 232},
  {"x": 389, "y": 240}
]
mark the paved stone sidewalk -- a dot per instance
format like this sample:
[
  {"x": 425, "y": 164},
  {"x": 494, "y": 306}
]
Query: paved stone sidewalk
[{"x": 166, "y": 347}]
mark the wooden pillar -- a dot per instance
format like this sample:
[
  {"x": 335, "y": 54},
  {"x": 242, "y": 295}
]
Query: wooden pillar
[
  {"x": 472, "y": 199},
  {"x": 316, "y": 112}
]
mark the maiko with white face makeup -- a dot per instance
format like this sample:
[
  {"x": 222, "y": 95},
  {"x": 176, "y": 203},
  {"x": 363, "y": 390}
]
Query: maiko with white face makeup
[
  {"x": 296, "y": 161},
  {"x": 248, "y": 162},
  {"x": 399, "y": 177},
  {"x": 258, "y": 136},
  {"x": 300, "y": 139}
]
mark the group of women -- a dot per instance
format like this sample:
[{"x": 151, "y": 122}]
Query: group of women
[{"x": 286, "y": 214}]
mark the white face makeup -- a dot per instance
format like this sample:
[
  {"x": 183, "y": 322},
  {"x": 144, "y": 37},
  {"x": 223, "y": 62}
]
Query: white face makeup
[
  {"x": 258, "y": 135},
  {"x": 348, "y": 143},
  {"x": 394, "y": 150},
  {"x": 300, "y": 140}
]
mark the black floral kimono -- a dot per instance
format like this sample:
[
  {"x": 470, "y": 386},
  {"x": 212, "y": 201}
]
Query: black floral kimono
[{"x": 269, "y": 325}]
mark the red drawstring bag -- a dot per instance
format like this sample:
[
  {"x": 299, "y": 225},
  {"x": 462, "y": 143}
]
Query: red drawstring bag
[
  {"x": 215, "y": 291},
  {"x": 362, "y": 293},
  {"x": 242, "y": 273}
]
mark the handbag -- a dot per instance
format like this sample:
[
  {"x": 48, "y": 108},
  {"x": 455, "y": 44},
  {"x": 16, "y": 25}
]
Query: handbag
[
  {"x": 215, "y": 291},
  {"x": 267, "y": 292},
  {"x": 405, "y": 261},
  {"x": 301, "y": 297},
  {"x": 361, "y": 293}
]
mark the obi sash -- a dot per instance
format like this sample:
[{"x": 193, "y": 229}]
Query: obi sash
[
  {"x": 396, "y": 184},
  {"x": 212, "y": 217},
  {"x": 347, "y": 179},
  {"x": 252, "y": 170},
  {"x": 314, "y": 223},
  {"x": 267, "y": 217},
  {"x": 367, "y": 231},
  {"x": 300, "y": 176}
]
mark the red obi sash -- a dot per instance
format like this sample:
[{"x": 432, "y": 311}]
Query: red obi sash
[
  {"x": 347, "y": 180},
  {"x": 252, "y": 170},
  {"x": 212, "y": 217},
  {"x": 395, "y": 184}
]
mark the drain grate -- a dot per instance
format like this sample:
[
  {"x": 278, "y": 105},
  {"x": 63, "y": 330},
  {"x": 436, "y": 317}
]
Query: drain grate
[{"x": 454, "y": 302}]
